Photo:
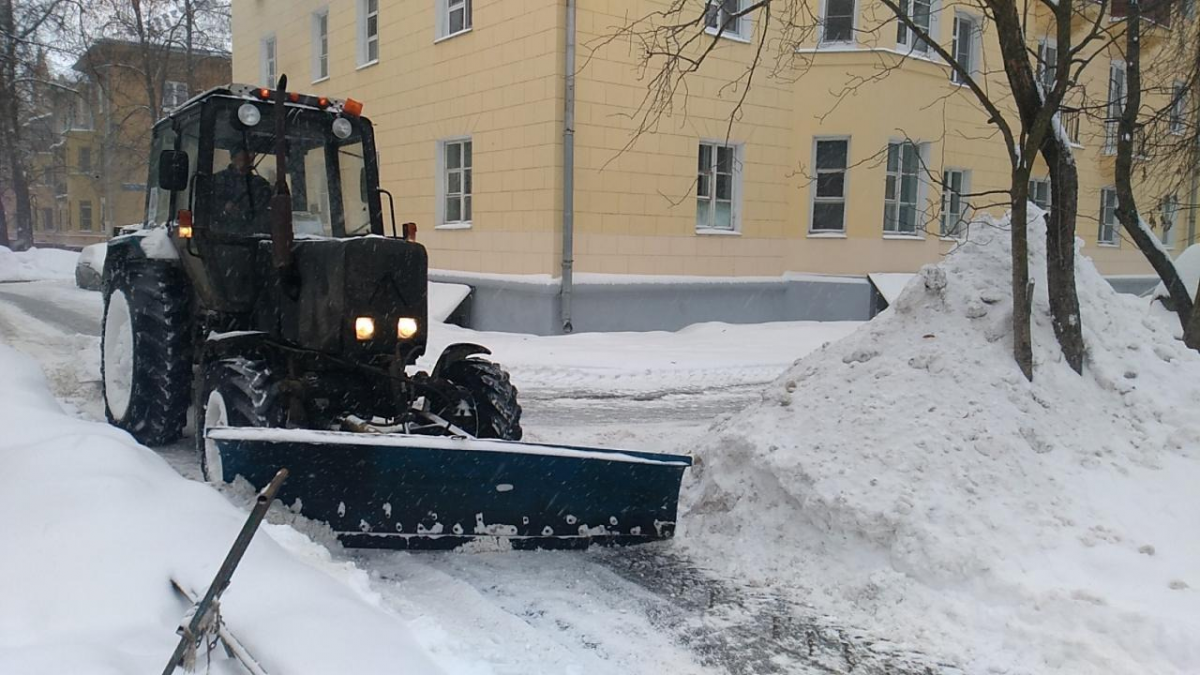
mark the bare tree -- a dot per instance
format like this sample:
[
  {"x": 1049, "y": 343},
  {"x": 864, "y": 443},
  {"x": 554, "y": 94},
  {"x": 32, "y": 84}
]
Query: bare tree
[
  {"x": 1163, "y": 134},
  {"x": 22, "y": 26}
]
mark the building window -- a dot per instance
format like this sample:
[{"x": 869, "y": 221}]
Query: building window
[
  {"x": 85, "y": 215},
  {"x": 48, "y": 219},
  {"x": 954, "y": 206},
  {"x": 1107, "y": 235},
  {"x": 1169, "y": 213},
  {"x": 174, "y": 95},
  {"x": 269, "y": 70},
  {"x": 715, "y": 203},
  {"x": 85, "y": 160},
  {"x": 1116, "y": 102},
  {"x": 1178, "y": 108},
  {"x": 1039, "y": 193},
  {"x": 838, "y": 22},
  {"x": 965, "y": 30},
  {"x": 454, "y": 17},
  {"x": 1069, "y": 119},
  {"x": 320, "y": 44},
  {"x": 723, "y": 17},
  {"x": 456, "y": 182},
  {"x": 368, "y": 32},
  {"x": 920, "y": 12},
  {"x": 829, "y": 190},
  {"x": 1047, "y": 64},
  {"x": 902, "y": 190}
]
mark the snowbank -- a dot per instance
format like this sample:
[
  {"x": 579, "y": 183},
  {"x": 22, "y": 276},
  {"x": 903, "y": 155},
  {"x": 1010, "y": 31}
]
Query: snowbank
[
  {"x": 36, "y": 264},
  {"x": 1187, "y": 264},
  {"x": 96, "y": 525},
  {"x": 908, "y": 479}
]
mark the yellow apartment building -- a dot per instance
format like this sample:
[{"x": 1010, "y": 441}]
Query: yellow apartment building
[
  {"x": 91, "y": 178},
  {"x": 705, "y": 218}
]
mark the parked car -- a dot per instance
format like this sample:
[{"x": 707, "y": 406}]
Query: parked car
[{"x": 89, "y": 271}]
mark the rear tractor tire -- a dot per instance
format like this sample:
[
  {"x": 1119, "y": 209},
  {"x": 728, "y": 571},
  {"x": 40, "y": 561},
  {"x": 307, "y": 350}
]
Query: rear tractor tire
[
  {"x": 493, "y": 398},
  {"x": 146, "y": 351},
  {"x": 238, "y": 393}
]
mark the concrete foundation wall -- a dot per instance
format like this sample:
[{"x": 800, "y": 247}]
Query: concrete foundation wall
[
  {"x": 524, "y": 307},
  {"x": 513, "y": 305}
]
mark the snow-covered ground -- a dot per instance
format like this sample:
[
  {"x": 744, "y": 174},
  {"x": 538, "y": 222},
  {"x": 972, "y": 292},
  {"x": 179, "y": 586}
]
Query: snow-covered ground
[
  {"x": 36, "y": 263},
  {"x": 908, "y": 478},
  {"x": 898, "y": 500}
]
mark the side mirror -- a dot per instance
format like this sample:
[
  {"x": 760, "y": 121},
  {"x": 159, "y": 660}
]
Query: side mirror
[{"x": 173, "y": 170}]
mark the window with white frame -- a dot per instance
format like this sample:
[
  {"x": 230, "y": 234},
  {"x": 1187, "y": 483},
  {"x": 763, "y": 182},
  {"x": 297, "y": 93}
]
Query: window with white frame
[
  {"x": 85, "y": 215},
  {"x": 368, "y": 32},
  {"x": 454, "y": 16},
  {"x": 966, "y": 28},
  {"x": 955, "y": 183},
  {"x": 320, "y": 44},
  {"x": 174, "y": 95},
  {"x": 1107, "y": 234},
  {"x": 456, "y": 182},
  {"x": 829, "y": 187},
  {"x": 838, "y": 23},
  {"x": 1039, "y": 193},
  {"x": 267, "y": 59},
  {"x": 1178, "y": 108},
  {"x": 921, "y": 14},
  {"x": 716, "y": 186},
  {"x": 1116, "y": 102},
  {"x": 724, "y": 17},
  {"x": 1169, "y": 217},
  {"x": 1047, "y": 64},
  {"x": 902, "y": 190}
]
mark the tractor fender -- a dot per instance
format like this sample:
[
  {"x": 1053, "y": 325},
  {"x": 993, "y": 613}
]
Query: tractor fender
[{"x": 457, "y": 352}]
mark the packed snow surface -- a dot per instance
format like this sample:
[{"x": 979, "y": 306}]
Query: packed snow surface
[
  {"x": 909, "y": 479},
  {"x": 36, "y": 264},
  {"x": 95, "y": 527}
]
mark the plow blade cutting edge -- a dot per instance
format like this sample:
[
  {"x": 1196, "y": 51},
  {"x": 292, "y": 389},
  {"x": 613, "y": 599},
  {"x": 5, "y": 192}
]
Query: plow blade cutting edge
[{"x": 430, "y": 492}]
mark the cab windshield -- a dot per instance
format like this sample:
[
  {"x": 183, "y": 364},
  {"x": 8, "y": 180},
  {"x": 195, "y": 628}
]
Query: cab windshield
[{"x": 325, "y": 173}]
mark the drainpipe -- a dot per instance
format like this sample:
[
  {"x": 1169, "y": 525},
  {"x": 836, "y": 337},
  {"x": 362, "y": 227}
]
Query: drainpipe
[{"x": 568, "y": 197}]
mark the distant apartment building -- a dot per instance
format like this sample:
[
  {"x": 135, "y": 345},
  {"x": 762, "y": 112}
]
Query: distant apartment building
[
  {"x": 91, "y": 175},
  {"x": 468, "y": 101}
]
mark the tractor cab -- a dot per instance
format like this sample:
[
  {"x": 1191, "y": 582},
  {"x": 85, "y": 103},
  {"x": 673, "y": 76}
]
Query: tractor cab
[{"x": 213, "y": 173}]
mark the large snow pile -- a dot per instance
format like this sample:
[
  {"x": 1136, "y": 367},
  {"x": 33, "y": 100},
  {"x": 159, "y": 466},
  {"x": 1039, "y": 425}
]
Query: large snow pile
[
  {"x": 95, "y": 526},
  {"x": 36, "y": 264},
  {"x": 909, "y": 480}
]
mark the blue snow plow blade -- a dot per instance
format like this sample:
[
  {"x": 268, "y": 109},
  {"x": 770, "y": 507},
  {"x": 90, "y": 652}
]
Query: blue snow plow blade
[{"x": 430, "y": 492}]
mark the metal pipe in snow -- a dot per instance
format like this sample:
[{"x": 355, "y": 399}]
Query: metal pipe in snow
[{"x": 568, "y": 202}]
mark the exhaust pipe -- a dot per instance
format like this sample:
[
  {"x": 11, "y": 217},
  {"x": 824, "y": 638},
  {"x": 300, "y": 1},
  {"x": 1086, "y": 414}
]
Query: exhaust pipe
[{"x": 281, "y": 199}]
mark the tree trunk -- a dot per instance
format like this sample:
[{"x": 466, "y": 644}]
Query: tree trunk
[
  {"x": 1060, "y": 250},
  {"x": 1127, "y": 209},
  {"x": 11, "y": 123},
  {"x": 3, "y": 224},
  {"x": 1021, "y": 288}
]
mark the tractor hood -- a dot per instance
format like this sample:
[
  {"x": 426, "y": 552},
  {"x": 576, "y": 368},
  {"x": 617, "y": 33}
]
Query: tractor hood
[{"x": 351, "y": 296}]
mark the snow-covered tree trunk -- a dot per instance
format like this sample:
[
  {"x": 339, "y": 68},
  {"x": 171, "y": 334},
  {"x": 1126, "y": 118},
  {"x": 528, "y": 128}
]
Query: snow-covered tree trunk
[{"x": 1127, "y": 207}]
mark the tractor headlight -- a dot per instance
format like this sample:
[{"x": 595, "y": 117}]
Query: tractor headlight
[
  {"x": 249, "y": 114},
  {"x": 342, "y": 128},
  {"x": 364, "y": 328},
  {"x": 406, "y": 327}
]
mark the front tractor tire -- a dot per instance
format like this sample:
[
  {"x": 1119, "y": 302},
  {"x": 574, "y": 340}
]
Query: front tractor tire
[
  {"x": 146, "y": 354},
  {"x": 492, "y": 398},
  {"x": 238, "y": 392}
]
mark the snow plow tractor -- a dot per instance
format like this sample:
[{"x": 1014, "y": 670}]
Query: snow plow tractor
[{"x": 265, "y": 293}]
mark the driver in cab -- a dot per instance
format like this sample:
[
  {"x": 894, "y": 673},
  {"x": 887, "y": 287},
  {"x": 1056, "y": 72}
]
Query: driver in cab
[{"x": 242, "y": 196}]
